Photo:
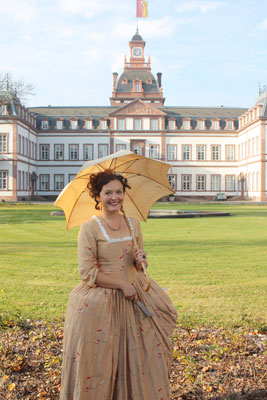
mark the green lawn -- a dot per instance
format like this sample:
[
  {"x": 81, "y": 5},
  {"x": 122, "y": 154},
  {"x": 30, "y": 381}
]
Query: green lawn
[{"x": 215, "y": 268}]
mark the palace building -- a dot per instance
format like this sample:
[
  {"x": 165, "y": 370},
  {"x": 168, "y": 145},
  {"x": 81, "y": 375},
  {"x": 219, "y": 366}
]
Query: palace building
[{"x": 210, "y": 149}]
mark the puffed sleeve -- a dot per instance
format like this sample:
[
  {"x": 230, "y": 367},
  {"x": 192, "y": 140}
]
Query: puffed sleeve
[{"x": 87, "y": 254}]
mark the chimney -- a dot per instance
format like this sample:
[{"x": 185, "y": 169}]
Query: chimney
[
  {"x": 115, "y": 77},
  {"x": 159, "y": 75}
]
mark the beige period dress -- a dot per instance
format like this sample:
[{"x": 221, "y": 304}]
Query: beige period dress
[{"x": 112, "y": 351}]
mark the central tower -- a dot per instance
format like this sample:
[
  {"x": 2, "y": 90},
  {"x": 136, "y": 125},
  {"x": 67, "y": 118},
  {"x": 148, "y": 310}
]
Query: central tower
[{"x": 137, "y": 81}]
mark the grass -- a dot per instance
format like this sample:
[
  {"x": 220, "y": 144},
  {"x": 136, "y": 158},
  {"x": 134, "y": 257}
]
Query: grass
[{"x": 214, "y": 268}]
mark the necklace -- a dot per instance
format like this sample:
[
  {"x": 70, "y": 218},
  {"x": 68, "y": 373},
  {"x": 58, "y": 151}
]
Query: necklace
[{"x": 113, "y": 229}]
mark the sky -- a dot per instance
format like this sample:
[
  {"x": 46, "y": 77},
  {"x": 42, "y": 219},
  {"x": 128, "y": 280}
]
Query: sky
[{"x": 210, "y": 52}]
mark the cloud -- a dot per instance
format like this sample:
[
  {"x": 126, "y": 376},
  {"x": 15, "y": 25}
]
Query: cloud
[
  {"x": 90, "y": 8},
  {"x": 203, "y": 6},
  {"x": 18, "y": 10},
  {"x": 262, "y": 27},
  {"x": 150, "y": 28}
]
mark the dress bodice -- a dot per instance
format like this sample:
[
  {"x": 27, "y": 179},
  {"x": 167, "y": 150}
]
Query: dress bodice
[{"x": 97, "y": 251}]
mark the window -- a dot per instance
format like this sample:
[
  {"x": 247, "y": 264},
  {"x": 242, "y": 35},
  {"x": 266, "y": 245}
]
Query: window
[
  {"x": 137, "y": 149},
  {"x": 230, "y": 125},
  {"x": 230, "y": 183},
  {"x": 74, "y": 152},
  {"x": 186, "y": 182},
  {"x": 201, "y": 152},
  {"x": 88, "y": 124},
  {"x": 201, "y": 180},
  {"x": 171, "y": 155},
  {"x": 19, "y": 145},
  {"x": 102, "y": 150},
  {"x": 59, "y": 151},
  {"x": 137, "y": 124},
  {"x": 215, "y": 183},
  {"x": 44, "y": 179},
  {"x": 253, "y": 147},
  {"x": 153, "y": 124},
  {"x": 120, "y": 147},
  {"x": 154, "y": 151},
  {"x": 44, "y": 151},
  {"x": 171, "y": 124},
  {"x": 3, "y": 143},
  {"x": 88, "y": 152},
  {"x": 59, "y": 124},
  {"x": 59, "y": 182},
  {"x": 216, "y": 125},
  {"x": 71, "y": 177},
  {"x": 3, "y": 180},
  {"x": 103, "y": 124},
  {"x": 215, "y": 150},
  {"x": 172, "y": 181},
  {"x": 257, "y": 145},
  {"x": 73, "y": 124},
  {"x": 137, "y": 87},
  {"x": 45, "y": 124},
  {"x": 23, "y": 180},
  {"x": 230, "y": 153},
  {"x": 186, "y": 125},
  {"x": 121, "y": 124},
  {"x": 186, "y": 152},
  {"x": 201, "y": 125},
  {"x": 19, "y": 181}
]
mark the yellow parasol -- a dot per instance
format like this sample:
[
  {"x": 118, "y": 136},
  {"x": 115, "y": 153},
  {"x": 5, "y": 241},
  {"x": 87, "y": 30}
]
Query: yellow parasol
[{"x": 147, "y": 178}]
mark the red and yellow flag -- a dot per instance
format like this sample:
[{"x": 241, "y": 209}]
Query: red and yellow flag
[{"x": 141, "y": 8}]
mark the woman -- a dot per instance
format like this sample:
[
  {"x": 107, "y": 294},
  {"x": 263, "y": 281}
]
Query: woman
[{"x": 112, "y": 350}]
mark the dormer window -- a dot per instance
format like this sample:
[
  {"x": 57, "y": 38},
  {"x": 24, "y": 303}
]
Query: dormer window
[
  {"x": 59, "y": 124},
  {"x": 103, "y": 124},
  {"x": 215, "y": 125},
  {"x": 124, "y": 81},
  {"x": 230, "y": 125},
  {"x": 201, "y": 125},
  {"x": 186, "y": 124},
  {"x": 74, "y": 124},
  {"x": 45, "y": 124},
  {"x": 88, "y": 124},
  {"x": 172, "y": 124},
  {"x": 137, "y": 86}
]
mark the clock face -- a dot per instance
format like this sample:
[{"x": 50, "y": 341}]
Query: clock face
[{"x": 137, "y": 52}]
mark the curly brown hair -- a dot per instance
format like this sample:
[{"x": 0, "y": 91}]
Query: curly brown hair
[{"x": 97, "y": 181}]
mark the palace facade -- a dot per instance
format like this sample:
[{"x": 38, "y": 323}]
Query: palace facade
[{"x": 210, "y": 149}]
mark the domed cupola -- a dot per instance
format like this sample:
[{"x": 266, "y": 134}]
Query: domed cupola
[{"x": 137, "y": 81}]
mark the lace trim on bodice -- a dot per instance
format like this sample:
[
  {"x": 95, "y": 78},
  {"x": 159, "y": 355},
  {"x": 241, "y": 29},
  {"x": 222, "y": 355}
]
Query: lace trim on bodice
[{"x": 103, "y": 230}]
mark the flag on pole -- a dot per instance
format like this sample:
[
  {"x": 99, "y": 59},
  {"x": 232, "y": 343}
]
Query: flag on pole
[{"x": 141, "y": 8}]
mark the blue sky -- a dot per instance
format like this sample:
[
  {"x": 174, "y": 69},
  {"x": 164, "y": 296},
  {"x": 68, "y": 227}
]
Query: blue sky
[{"x": 211, "y": 53}]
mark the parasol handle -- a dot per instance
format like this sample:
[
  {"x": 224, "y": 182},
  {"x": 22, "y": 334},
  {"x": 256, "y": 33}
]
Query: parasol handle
[{"x": 146, "y": 289}]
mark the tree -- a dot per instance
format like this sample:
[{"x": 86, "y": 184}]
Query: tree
[{"x": 16, "y": 86}]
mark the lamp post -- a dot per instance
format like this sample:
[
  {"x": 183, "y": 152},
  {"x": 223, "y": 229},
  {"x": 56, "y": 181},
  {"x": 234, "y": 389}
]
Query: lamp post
[{"x": 242, "y": 178}]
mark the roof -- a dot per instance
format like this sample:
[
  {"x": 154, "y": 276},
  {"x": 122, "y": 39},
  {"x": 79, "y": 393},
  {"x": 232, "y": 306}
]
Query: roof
[
  {"x": 204, "y": 112},
  {"x": 175, "y": 112},
  {"x": 136, "y": 37},
  {"x": 144, "y": 76},
  {"x": 72, "y": 112}
]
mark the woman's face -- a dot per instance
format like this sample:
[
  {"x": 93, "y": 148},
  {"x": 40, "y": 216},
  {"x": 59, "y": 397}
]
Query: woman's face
[{"x": 111, "y": 196}]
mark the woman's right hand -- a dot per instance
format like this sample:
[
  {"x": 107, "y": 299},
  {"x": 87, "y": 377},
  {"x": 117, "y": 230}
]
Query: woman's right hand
[{"x": 129, "y": 292}]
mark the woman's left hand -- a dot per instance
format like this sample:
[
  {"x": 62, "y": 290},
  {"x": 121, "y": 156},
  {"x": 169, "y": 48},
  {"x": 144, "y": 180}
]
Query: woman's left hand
[{"x": 140, "y": 257}]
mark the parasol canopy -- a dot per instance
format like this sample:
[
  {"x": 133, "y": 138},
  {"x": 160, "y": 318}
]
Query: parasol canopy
[{"x": 147, "y": 178}]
